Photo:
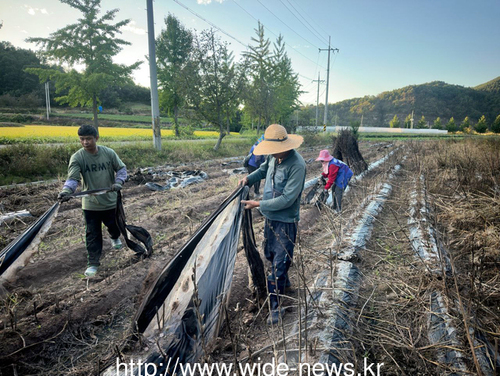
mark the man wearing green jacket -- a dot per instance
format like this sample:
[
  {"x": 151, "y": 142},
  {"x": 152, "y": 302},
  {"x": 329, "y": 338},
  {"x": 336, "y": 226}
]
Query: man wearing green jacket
[
  {"x": 285, "y": 172},
  {"x": 97, "y": 167}
]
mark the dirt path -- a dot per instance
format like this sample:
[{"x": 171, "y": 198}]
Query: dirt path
[{"x": 54, "y": 323}]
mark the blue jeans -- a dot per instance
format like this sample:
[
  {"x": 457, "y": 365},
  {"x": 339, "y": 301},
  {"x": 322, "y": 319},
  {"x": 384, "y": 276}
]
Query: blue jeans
[{"x": 279, "y": 241}]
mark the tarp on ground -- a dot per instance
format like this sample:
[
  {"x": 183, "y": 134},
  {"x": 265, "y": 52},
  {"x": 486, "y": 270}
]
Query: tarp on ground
[{"x": 181, "y": 313}]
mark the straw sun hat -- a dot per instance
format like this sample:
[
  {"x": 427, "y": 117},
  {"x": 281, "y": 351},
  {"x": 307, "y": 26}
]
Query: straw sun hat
[{"x": 277, "y": 140}]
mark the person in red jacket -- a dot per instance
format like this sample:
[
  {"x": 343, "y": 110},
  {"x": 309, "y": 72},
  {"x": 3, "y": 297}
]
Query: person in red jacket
[{"x": 338, "y": 175}]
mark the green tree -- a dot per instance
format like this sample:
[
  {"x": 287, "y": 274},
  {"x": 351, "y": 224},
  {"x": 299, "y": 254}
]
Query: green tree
[
  {"x": 354, "y": 126},
  {"x": 495, "y": 127},
  {"x": 14, "y": 79},
  {"x": 115, "y": 96},
  {"x": 482, "y": 125},
  {"x": 258, "y": 94},
  {"x": 215, "y": 82},
  {"x": 173, "y": 49},
  {"x": 451, "y": 126},
  {"x": 422, "y": 123},
  {"x": 437, "y": 124},
  {"x": 90, "y": 42},
  {"x": 285, "y": 83},
  {"x": 407, "y": 123},
  {"x": 395, "y": 123},
  {"x": 465, "y": 126}
]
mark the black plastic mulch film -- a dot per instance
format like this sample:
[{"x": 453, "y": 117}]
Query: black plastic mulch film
[
  {"x": 186, "y": 344},
  {"x": 11, "y": 253},
  {"x": 184, "y": 341},
  {"x": 137, "y": 232}
]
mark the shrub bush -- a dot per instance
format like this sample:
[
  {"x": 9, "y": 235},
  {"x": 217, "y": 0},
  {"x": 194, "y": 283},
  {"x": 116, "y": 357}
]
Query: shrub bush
[{"x": 16, "y": 118}]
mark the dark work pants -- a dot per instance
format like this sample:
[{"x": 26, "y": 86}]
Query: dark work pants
[
  {"x": 256, "y": 185},
  {"x": 337, "y": 194},
  {"x": 93, "y": 232},
  {"x": 279, "y": 242}
]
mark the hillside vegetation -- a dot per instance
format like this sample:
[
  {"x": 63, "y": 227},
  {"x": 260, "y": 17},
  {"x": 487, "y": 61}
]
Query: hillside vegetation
[
  {"x": 431, "y": 100},
  {"x": 492, "y": 86}
]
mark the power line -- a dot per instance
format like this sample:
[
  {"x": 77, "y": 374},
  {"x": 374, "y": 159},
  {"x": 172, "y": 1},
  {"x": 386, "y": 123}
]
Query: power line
[
  {"x": 286, "y": 24},
  {"x": 310, "y": 18},
  {"x": 307, "y": 78},
  {"x": 210, "y": 23},
  {"x": 256, "y": 19},
  {"x": 293, "y": 14},
  {"x": 237, "y": 40}
]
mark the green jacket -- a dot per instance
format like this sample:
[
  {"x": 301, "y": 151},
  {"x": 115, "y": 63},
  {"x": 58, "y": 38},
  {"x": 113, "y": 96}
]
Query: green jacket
[
  {"x": 96, "y": 171},
  {"x": 283, "y": 187}
]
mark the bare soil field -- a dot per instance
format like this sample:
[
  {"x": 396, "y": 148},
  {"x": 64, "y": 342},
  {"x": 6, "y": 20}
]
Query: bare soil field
[{"x": 424, "y": 297}]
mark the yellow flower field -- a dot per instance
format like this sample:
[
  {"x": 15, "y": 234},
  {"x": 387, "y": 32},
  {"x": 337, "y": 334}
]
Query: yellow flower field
[{"x": 43, "y": 133}]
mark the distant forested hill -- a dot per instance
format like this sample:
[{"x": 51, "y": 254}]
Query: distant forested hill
[
  {"x": 432, "y": 100},
  {"x": 492, "y": 86}
]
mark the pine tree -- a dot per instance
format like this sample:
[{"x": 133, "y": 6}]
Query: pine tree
[
  {"x": 395, "y": 123},
  {"x": 422, "y": 123},
  {"x": 407, "y": 123},
  {"x": 437, "y": 124},
  {"x": 465, "y": 126},
  {"x": 495, "y": 127},
  {"x": 258, "y": 94},
  {"x": 286, "y": 84},
  {"x": 450, "y": 126},
  {"x": 482, "y": 125}
]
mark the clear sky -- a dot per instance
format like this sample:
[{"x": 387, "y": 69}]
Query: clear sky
[{"x": 383, "y": 44}]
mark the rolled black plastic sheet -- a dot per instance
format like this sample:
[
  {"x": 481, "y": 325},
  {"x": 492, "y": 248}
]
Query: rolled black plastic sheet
[
  {"x": 137, "y": 232},
  {"x": 255, "y": 262},
  {"x": 18, "y": 252},
  {"x": 170, "y": 316}
]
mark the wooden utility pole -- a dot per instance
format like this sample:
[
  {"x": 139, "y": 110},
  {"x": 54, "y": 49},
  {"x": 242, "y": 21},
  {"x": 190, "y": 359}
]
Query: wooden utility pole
[
  {"x": 155, "y": 107},
  {"x": 317, "y": 100},
  {"x": 327, "y": 77}
]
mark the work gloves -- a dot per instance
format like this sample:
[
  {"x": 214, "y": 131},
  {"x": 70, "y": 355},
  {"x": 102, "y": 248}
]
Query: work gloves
[
  {"x": 64, "y": 196},
  {"x": 116, "y": 187}
]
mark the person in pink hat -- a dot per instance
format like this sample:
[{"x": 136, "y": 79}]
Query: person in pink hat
[{"x": 337, "y": 174}]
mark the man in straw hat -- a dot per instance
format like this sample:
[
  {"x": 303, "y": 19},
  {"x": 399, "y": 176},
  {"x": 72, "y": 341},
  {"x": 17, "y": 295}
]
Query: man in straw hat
[{"x": 285, "y": 172}]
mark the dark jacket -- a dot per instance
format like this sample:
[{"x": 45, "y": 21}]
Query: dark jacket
[{"x": 284, "y": 185}]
